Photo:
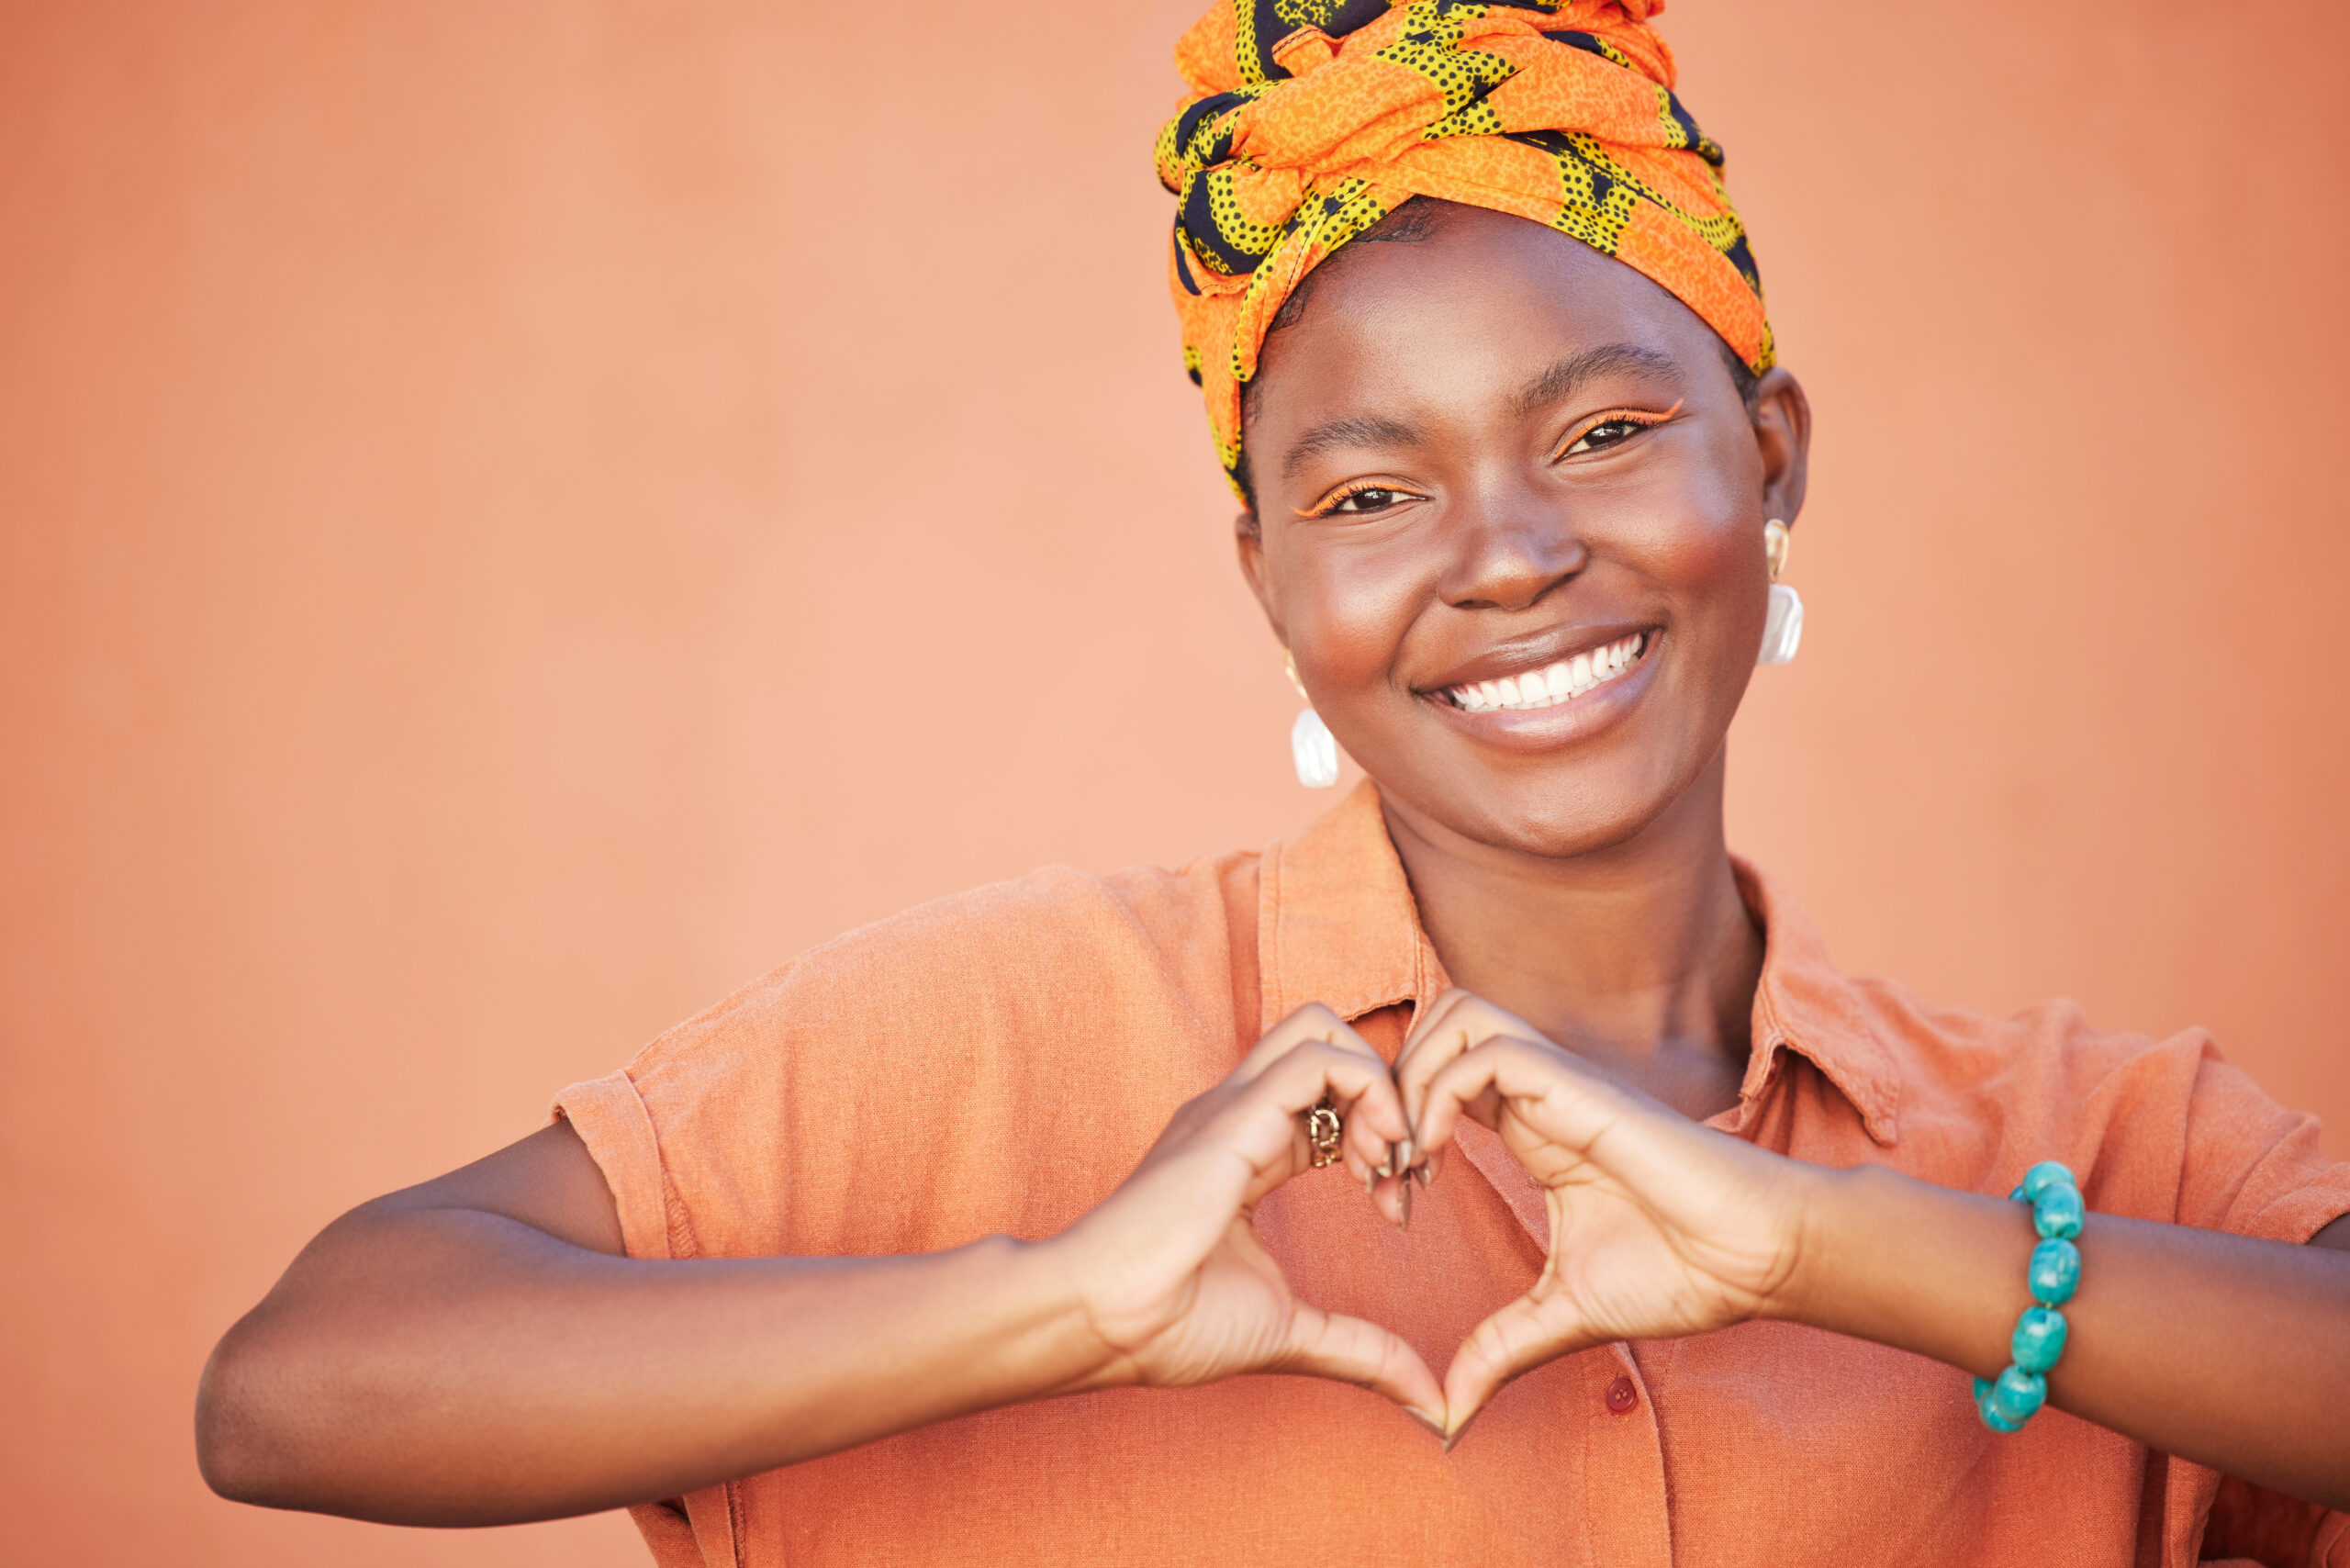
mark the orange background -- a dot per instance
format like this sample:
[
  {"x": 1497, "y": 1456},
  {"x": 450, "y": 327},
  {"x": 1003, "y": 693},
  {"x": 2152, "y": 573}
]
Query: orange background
[{"x": 517, "y": 518}]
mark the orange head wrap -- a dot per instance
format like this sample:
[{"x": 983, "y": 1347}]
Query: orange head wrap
[{"x": 1313, "y": 119}]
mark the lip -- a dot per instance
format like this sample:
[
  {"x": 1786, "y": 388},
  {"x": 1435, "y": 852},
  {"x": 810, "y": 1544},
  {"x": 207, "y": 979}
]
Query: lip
[{"x": 1539, "y": 729}]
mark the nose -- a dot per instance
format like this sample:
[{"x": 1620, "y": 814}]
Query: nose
[{"x": 1511, "y": 548}]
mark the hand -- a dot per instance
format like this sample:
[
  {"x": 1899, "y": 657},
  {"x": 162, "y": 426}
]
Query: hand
[
  {"x": 1659, "y": 1226},
  {"x": 1169, "y": 1268}
]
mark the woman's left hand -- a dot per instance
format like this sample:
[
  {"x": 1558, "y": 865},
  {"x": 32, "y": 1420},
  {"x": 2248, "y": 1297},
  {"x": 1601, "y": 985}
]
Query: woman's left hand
[{"x": 1659, "y": 1226}]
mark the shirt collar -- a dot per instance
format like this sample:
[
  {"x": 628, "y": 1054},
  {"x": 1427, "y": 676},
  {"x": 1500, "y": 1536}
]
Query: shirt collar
[
  {"x": 1807, "y": 1006},
  {"x": 1337, "y": 924}
]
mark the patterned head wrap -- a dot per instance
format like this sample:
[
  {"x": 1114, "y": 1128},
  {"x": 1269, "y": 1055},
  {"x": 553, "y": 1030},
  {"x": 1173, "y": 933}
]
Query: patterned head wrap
[{"x": 1310, "y": 120}]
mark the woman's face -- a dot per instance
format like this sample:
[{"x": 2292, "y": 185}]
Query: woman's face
[{"x": 1509, "y": 523}]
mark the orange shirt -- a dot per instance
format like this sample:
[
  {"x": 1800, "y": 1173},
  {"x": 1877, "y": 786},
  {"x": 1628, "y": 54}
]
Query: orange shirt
[{"x": 996, "y": 1062}]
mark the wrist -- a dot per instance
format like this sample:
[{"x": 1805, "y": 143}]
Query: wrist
[
  {"x": 1820, "y": 1208},
  {"x": 1037, "y": 1322},
  {"x": 1061, "y": 1270},
  {"x": 1904, "y": 1262}
]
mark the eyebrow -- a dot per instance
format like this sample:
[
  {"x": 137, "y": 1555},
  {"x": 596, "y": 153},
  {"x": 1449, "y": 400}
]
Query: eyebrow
[
  {"x": 1366, "y": 429},
  {"x": 1565, "y": 378}
]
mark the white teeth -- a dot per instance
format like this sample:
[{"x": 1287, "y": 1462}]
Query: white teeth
[{"x": 1553, "y": 684}]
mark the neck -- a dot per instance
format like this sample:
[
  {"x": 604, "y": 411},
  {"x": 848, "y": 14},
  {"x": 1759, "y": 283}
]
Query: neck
[{"x": 1641, "y": 956}]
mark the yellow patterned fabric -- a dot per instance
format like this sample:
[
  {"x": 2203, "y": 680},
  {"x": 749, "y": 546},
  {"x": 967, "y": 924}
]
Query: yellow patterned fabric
[{"x": 1310, "y": 120}]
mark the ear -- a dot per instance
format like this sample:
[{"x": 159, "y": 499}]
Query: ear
[
  {"x": 1249, "y": 541},
  {"x": 1783, "y": 434}
]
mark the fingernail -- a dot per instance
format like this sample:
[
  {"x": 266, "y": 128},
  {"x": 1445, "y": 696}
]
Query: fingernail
[
  {"x": 1427, "y": 1173},
  {"x": 1388, "y": 1168},
  {"x": 1463, "y": 1431},
  {"x": 1370, "y": 1183},
  {"x": 1425, "y": 1419},
  {"x": 1405, "y": 1222},
  {"x": 1408, "y": 1154}
]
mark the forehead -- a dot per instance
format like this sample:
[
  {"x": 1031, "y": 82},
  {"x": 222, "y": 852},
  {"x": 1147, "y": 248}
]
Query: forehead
[{"x": 1460, "y": 317}]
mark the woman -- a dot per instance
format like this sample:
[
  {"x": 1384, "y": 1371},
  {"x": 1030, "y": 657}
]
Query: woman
[{"x": 959, "y": 1237}]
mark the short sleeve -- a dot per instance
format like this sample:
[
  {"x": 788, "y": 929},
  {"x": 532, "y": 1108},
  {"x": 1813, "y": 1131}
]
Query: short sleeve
[
  {"x": 2251, "y": 1167},
  {"x": 612, "y": 1120}
]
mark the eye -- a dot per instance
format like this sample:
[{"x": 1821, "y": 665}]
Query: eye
[
  {"x": 1359, "y": 500},
  {"x": 1615, "y": 427},
  {"x": 1606, "y": 433},
  {"x": 1371, "y": 498}
]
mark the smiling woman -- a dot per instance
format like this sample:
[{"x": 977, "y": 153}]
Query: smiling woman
[{"x": 876, "y": 1259}]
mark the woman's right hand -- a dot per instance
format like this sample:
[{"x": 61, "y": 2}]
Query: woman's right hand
[
  {"x": 476, "y": 1349},
  {"x": 1169, "y": 1269}
]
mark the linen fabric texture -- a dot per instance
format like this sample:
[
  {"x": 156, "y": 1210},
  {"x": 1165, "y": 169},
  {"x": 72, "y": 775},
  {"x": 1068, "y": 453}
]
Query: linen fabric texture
[
  {"x": 1310, "y": 120},
  {"x": 995, "y": 1063}
]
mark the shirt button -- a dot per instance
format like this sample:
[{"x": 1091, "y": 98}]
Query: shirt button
[{"x": 1622, "y": 1395}]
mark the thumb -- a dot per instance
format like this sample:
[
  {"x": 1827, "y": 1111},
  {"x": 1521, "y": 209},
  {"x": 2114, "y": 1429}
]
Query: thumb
[
  {"x": 1350, "y": 1350},
  {"x": 1520, "y": 1336}
]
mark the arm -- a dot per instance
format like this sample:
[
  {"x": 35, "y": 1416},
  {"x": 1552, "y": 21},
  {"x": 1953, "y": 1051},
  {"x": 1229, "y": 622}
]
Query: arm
[
  {"x": 2222, "y": 1349},
  {"x": 474, "y": 1350},
  {"x": 2228, "y": 1351}
]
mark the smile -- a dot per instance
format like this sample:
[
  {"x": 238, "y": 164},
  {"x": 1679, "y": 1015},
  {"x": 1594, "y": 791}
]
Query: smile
[{"x": 1552, "y": 684}]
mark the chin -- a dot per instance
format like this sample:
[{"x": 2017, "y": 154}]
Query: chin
[
  {"x": 1557, "y": 819},
  {"x": 1563, "y": 833}
]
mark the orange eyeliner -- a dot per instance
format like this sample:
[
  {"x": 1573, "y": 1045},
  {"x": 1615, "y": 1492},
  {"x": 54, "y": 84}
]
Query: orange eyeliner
[
  {"x": 1630, "y": 416},
  {"x": 1328, "y": 503},
  {"x": 1641, "y": 416}
]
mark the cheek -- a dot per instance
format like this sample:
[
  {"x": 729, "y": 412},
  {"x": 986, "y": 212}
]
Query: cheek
[
  {"x": 1709, "y": 569},
  {"x": 1710, "y": 561},
  {"x": 1347, "y": 606}
]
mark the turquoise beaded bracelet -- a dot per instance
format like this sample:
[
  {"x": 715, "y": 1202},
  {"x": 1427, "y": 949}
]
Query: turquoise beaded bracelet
[{"x": 2009, "y": 1400}]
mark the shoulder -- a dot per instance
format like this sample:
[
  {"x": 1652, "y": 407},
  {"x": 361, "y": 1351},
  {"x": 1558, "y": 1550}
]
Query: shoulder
[
  {"x": 906, "y": 1086},
  {"x": 1033, "y": 944},
  {"x": 2048, "y": 1048},
  {"x": 2163, "y": 1128}
]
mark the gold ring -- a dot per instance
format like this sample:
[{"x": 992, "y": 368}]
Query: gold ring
[{"x": 1324, "y": 1131}]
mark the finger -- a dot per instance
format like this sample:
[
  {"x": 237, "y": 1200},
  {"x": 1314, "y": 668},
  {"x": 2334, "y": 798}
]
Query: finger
[
  {"x": 1474, "y": 1082},
  {"x": 1431, "y": 1019},
  {"x": 1458, "y": 1020},
  {"x": 1314, "y": 1021},
  {"x": 1439, "y": 1022},
  {"x": 1522, "y": 1336},
  {"x": 1432, "y": 1053},
  {"x": 1347, "y": 1069},
  {"x": 1357, "y": 1084},
  {"x": 1462, "y": 1023},
  {"x": 1348, "y": 1350}
]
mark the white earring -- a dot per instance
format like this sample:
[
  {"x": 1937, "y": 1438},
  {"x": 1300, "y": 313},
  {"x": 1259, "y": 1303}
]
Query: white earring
[
  {"x": 1314, "y": 750},
  {"x": 1312, "y": 746},
  {"x": 1783, "y": 623},
  {"x": 1782, "y": 627}
]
